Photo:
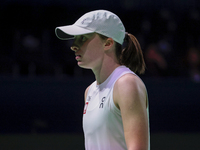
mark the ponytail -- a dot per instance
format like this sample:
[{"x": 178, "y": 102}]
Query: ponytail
[{"x": 130, "y": 54}]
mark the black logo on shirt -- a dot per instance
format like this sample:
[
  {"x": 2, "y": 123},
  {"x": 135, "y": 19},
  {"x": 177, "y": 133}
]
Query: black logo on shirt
[{"x": 102, "y": 101}]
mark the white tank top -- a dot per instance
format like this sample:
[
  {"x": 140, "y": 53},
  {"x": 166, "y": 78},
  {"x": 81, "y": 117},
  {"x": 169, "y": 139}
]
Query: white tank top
[{"x": 102, "y": 122}]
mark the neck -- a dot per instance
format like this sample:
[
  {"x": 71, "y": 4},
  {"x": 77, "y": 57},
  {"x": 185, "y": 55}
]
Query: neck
[{"x": 104, "y": 70}]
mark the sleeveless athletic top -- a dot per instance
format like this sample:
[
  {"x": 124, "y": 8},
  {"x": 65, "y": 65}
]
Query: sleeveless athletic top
[{"x": 102, "y": 122}]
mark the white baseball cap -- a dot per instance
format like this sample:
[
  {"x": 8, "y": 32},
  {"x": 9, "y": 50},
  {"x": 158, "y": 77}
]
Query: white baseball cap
[{"x": 100, "y": 21}]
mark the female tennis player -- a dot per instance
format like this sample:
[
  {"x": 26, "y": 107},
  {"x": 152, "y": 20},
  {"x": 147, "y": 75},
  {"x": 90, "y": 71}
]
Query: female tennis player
[{"x": 115, "y": 115}]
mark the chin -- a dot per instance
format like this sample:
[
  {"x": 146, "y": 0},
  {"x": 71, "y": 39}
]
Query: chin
[{"x": 83, "y": 66}]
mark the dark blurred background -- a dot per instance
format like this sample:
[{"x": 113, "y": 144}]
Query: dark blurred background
[{"x": 41, "y": 87}]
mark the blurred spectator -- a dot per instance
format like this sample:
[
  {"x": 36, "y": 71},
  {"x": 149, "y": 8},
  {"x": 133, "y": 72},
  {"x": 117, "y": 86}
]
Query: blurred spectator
[
  {"x": 31, "y": 43},
  {"x": 34, "y": 50},
  {"x": 156, "y": 63},
  {"x": 193, "y": 64}
]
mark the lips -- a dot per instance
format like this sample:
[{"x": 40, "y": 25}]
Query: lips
[{"x": 78, "y": 57}]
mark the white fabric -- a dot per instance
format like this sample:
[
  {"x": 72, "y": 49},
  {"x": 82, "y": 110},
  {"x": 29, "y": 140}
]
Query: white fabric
[
  {"x": 102, "y": 122},
  {"x": 100, "y": 21}
]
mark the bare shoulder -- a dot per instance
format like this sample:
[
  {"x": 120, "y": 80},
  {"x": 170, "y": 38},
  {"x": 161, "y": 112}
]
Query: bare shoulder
[
  {"x": 130, "y": 82},
  {"x": 130, "y": 78},
  {"x": 129, "y": 87}
]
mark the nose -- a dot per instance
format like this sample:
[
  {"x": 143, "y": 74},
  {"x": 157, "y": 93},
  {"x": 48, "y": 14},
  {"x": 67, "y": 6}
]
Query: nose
[{"x": 74, "y": 48}]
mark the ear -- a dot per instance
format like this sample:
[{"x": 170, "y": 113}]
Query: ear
[{"x": 108, "y": 43}]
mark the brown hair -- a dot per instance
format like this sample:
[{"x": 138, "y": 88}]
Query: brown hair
[{"x": 130, "y": 53}]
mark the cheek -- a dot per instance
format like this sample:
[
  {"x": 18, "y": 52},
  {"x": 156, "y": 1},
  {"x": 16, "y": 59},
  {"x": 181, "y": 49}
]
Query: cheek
[
  {"x": 95, "y": 49},
  {"x": 94, "y": 54}
]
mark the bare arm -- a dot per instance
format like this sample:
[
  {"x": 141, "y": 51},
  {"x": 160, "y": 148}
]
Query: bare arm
[{"x": 131, "y": 98}]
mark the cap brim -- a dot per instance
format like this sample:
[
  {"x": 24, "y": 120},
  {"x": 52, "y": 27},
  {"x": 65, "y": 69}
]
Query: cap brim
[{"x": 68, "y": 32}]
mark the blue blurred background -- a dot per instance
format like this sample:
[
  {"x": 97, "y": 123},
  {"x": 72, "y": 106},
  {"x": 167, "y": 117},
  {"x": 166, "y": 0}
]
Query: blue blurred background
[{"x": 41, "y": 87}]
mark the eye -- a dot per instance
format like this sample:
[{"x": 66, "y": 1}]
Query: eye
[{"x": 83, "y": 38}]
